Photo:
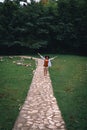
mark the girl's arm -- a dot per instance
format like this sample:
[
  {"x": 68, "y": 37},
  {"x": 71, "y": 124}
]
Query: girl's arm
[
  {"x": 41, "y": 56},
  {"x": 53, "y": 58}
]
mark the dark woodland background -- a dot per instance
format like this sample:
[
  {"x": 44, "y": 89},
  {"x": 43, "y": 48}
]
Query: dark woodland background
[{"x": 51, "y": 27}]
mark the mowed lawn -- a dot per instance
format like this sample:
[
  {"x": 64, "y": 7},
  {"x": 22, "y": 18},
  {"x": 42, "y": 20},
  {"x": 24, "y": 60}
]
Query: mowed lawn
[
  {"x": 14, "y": 84},
  {"x": 69, "y": 80}
]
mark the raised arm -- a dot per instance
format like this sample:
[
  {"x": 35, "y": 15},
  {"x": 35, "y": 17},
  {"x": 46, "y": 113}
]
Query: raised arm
[
  {"x": 41, "y": 56},
  {"x": 53, "y": 58}
]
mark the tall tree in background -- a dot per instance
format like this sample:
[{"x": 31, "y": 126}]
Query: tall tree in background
[
  {"x": 60, "y": 25},
  {"x": 44, "y": 1}
]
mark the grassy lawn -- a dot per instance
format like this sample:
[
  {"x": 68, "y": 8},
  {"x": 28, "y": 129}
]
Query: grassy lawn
[
  {"x": 14, "y": 84},
  {"x": 69, "y": 79}
]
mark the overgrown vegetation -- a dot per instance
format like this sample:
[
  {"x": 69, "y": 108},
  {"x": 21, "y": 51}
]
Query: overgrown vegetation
[
  {"x": 58, "y": 26},
  {"x": 69, "y": 79},
  {"x": 15, "y": 80}
]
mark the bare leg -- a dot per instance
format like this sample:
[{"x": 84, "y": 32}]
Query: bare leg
[{"x": 45, "y": 71}]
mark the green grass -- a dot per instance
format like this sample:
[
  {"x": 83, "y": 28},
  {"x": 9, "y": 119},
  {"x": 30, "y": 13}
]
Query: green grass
[
  {"x": 69, "y": 79},
  {"x": 14, "y": 84}
]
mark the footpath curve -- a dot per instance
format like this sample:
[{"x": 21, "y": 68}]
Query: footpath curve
[{"x": 40, "y": 110}]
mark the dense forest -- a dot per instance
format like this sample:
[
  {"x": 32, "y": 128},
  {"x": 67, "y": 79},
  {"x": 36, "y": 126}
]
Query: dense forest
[{"x": 58, "y": 26}]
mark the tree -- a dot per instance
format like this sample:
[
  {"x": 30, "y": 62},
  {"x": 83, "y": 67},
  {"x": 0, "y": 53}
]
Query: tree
[{"x": 57, "y": 24}]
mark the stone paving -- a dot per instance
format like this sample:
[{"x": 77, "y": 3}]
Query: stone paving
[{"x": 40, "y": 110}]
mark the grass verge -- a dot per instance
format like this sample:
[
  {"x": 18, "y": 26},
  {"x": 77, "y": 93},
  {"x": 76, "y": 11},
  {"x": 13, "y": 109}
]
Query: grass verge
[
  {"x": 14, "y": 84},
  {"x": 69, "y": 80}
]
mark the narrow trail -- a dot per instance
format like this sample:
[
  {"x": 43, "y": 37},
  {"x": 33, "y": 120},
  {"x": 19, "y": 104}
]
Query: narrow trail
[{"x": 40, "y": 110}]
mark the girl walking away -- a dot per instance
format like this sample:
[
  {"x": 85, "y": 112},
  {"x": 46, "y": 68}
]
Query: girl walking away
[{"x": 47, "y": 62}]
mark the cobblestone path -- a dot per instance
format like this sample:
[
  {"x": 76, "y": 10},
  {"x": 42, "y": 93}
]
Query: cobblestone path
[{"x": 40, "y": 110}]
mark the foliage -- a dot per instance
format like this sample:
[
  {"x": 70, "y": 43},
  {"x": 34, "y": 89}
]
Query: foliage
[{"x": 57, "y": 24}]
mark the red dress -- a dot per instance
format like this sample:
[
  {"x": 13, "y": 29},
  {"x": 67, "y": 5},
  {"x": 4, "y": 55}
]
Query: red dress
[{"x": 46, "y": 62}]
